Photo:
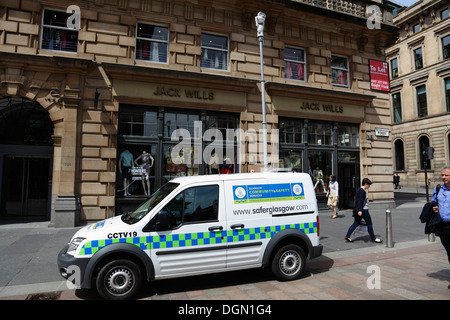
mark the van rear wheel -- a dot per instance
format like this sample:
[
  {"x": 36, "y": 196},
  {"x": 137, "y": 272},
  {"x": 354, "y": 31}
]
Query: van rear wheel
[
  {"x": 288, "y": 262},
  {"x": 119, "y": 280}
]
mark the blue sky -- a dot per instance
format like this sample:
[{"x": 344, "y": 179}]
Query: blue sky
[{"x": 406, "y": 3}]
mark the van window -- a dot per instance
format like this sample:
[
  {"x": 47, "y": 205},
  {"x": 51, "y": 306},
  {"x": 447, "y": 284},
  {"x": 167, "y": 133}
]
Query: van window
[
  {"x": 147, "y": 206},
  {"x": 196, "y": 204}
]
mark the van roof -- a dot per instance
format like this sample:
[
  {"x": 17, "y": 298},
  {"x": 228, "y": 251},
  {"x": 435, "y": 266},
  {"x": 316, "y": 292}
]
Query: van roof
[{"x": 239, "y": 176}]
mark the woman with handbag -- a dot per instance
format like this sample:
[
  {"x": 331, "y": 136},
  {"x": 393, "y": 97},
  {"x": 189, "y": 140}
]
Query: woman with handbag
[{"x": 361, "y": 211}]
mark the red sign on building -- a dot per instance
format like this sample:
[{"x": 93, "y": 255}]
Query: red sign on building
[{"x": 379, "y": 75}]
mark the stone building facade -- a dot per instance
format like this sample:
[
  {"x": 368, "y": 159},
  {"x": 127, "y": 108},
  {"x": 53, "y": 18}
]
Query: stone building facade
[
  {"x": 420, "y": 92},
  {"x": 96, "y": 111}
]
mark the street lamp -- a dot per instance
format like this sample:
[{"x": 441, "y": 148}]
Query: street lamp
[{"x": 260, "y": 20}]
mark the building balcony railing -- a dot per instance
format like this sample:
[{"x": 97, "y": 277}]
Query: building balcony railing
[{"x": 356, "y": 8}]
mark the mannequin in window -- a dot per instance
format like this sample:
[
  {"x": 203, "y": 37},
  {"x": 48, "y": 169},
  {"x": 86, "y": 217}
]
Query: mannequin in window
[
  {"x": 125, "y": 164},
  {"x": 318, "y": 176},
  {"x": 214, "y": 164},
  {"x": 146, "y": 162}
]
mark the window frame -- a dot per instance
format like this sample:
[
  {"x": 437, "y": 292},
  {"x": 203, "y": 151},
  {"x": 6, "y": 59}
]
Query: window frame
[
  {"x": 346, "y": 69},
  {"x": 416, "y": 67},
  {"x": 213, "y": 49},
  {"x": 398, "y": 107},
  {"x": 55, "y": 27},
  {"x": 420, "y": 100},
  {"x": 394, "y": 75},
  {"x": 445, "y": 56},
  {"x": 152, "y": 41},
  {"x": 297, "y": 62}
]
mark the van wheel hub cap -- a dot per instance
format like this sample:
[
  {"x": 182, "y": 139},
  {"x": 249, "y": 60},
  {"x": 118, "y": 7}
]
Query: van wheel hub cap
[{"x": 120, "y": 280}]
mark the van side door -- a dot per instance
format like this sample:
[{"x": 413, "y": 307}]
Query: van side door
[
  {"x": 249, "y": 227},
  {"x": 190, "y": 239}
]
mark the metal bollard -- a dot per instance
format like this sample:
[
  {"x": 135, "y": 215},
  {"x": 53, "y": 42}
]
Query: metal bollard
[
  {"x": 431, "y": 237},
  {"x": 389, "y": 242}
]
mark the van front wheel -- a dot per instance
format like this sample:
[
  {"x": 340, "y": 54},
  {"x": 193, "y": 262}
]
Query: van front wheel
[
  {"x": 288, "y": 263},
  {"x": 119, "y": 280}
]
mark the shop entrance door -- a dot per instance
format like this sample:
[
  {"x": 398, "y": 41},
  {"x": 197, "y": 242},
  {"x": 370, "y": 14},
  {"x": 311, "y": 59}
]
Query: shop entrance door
[
  {"x": 25, "y": 187},
  {"x": 349, "y": 180}
]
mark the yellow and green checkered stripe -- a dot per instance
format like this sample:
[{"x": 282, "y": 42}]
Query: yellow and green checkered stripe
[{"x": 199, "y": 238}]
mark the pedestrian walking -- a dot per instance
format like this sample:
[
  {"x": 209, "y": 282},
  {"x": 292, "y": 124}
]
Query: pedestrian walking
[
  {"x": 396, "y": 181},
  {"x": 361, "y": 211},
  {"x": 332, "y": 195},
  {"x": 442, "y": 199}
]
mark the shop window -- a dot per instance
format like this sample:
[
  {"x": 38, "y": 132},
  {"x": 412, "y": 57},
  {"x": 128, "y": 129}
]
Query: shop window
[
  {"x": 179, "y": 120},
  {"x": 320, "y": 168},
  {"x": 399, "y": 155},
  {"x": 138, "y": 123},
  {"x": 291, "y": 159},
  {"x": 348, "y": 136},
  {"x": 394, "y": 68},
  {"x": 422, "y": 109},
  {"x": 152, "y": 43},
  {"x": 320, "y": 133},
  {"x": 214, "y": 52},
  {"x": 290, "y": 131},
  {"x": 447, "y": 94},
  {"x": 339, "y": 71},
  {"x": 397, "y": 106},
  {"x": 418, "y": 58},
  {"x": 56, "y": 36},
  {"x": 446, "y": 47},
  {"x": 295, "y": 66}
]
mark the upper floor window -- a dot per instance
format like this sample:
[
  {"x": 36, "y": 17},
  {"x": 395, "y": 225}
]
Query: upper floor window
[
  {"x": 56, "y": 35},
  {"x": 446, "y": 47},
  {"x": 152, "y": 43},
  {"x": 418, "y": 58},
  {"x": 422, "y": 109},
  {"x": 214, "y": 53},
  {"x": 397, "y": 105},
  {"x": 294, "y": 64},
  {"x": 444, "y": 13},
  {"x": 339, "y": 71},
  {"x": 416, "y": 28},
  {"x": 447, "y": 94},
  {"x": 394, "y": 68}
]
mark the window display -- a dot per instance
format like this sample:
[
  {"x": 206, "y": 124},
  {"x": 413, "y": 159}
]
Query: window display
[{"x": 150, "y": 153}]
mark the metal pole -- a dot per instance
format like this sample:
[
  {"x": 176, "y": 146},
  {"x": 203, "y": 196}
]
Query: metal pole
[
  {"x": 389, "y": 242},
  {"x": 260, "y": 20},
  {"x": 263, "y": 103}
]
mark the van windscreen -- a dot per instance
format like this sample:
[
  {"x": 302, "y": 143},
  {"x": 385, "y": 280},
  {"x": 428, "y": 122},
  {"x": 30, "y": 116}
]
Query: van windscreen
[{"x": 149, "y": 204}]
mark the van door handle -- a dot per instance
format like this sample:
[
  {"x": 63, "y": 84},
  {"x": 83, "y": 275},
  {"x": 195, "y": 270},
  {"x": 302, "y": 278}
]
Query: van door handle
[
  {"x": 215, "y": 228},
  {"x": 236, "y": 226}
]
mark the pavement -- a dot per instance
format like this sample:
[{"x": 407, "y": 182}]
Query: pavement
[{"x": 414, "y": 268}]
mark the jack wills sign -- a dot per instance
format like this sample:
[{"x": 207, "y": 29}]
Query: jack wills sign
[
  {"x": 168, "y": 92},
  {"x": 318, "y": 109}
]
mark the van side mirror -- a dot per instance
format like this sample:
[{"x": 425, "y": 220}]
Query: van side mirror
[
  {"x": 160, "y": 221},
  {"x": 163, "y": 219}
]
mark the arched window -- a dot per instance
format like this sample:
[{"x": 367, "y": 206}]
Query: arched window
[{"x": 399, "y": 155}]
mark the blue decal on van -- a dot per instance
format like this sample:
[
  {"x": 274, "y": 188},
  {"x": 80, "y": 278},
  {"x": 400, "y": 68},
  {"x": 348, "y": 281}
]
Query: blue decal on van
[{"x": 268, "y": 192}]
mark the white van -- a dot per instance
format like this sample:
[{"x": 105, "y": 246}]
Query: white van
[{"x": 198, "y": 225}]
